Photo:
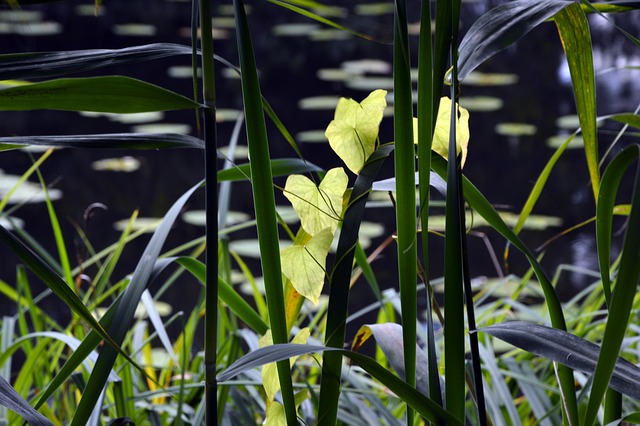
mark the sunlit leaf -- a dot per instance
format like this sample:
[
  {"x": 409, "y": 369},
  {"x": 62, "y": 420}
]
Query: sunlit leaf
[
  {"x": 269, "y": 372},
  {"x": 353, "y": 132},
  {"x": 318, "y": 207},
  {"x": 441, "y": 134},
  {"x": 304, "y": 264}
]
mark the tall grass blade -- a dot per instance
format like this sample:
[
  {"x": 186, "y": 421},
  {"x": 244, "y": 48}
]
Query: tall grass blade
[
  {"x": 404, "y": 167},
  {"x": 626, "y": 281},
  {"x": 264, "y": 201},
  {"x": 340, "y": 279},
  {"x": 576, "y": 41},
  {"x": 117, "y": 94},
  {"x": 499, "y": 28}
]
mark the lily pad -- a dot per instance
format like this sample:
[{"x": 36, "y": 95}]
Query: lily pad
[
  {"x": 333, "y": 74},
  {"x": 319, "y": 103},
  {"x": 145, "y": 224},
  {"x": 198, "y": 217},
  {"x": 363, "y": 66},
  {"x": 240, "y": 152},
  {"x": 26, "y": 192},
  {"x": 135, "y": 30},
  {"x": 516, "y": 129},
  {"x": 181, "y": 71},
  {"x": 482, "y": 103},
  {"x": 490, "y": 79},
  {"x": 311, "y": 136},
  {"x": 533, "y": 223},
  {"x": 557, "y": 140},
  {"x": 293, "y": 30},
  {"x": 251, "y": 247},
  {"x": 370, "y": 83},
  {"x": 329, "y": 34},
  {"x": 178, "y": 128},
  {"x": 125, "y": 164},
  {"x": 373, "y": 9}
]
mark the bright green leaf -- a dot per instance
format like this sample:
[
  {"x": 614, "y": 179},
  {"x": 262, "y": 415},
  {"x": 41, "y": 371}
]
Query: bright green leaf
[
  {"x": 441, "y": 134},
  {"x": 353, "y": 132},
  {"x": 318, "y": 207},
  {"x": 304, "y": 264},
  {"x": 115, "y": 94},
  {"x": 269, "y": 371}
]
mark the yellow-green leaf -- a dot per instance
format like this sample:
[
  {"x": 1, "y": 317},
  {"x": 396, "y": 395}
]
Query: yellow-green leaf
[
  {"x": 304, "y": 265},
  {"x": 270, "y": 380},
  {"x": 317, "y": 207},
  {"x": 353, "y": 132},
  {"x": 441, "y": 133}
]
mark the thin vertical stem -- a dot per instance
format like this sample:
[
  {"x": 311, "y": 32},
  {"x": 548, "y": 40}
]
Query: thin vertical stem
[
  {"x": 211, "y": 207},
  {"x": 405, "y": 192}
]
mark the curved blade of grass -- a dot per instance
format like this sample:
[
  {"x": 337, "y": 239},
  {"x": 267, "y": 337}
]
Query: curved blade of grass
[
  {"x": 576, "y": 41},
  {"x": 108, "y": 141},
  {"x": 499, "y": 28},
  {"x": 264, "y": 201},
  {"x": 423, "y": 405},
  {"x": 567, "y": 349},
  {"x": 404, "y": 167},
  {"x": 228, "y": 295},
  {"x": 340, "y": 279},
  {"x": 52, "y": 64},
  {"x": 116, "y": 94},
  {"x": 479, "y": 203},
  {"x": 625, "y": 284},
  {"x": 12, "y": 400},
  {"x": 23, "y": 178},
  {"x": 279, "y": 167},
  {"x": 126, "y": 308}
]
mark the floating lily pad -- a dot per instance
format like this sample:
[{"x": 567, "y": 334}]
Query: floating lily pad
[
  {"x": 164, "y": 309},
  {"x": 146, "y": 224},
  {"x": 224, "y": 115},
  {"x": 329, "y": 34},
  {"x": 183, "y": 129},
  {"x": 333, "y": 74},
  {"x": 198, "y": 217},
  {"x": 371, "y": 229},
  {"x": 370, "y": 83},
  {"x": 228, "y": 22},
  {"x": 125, "y": 164},
  {"x": 33, "y": 29},
  {"x": 319, "y": 102},
  {"x": 11, "y": 223},
  {"x": 362, "y": 66},
  {"x": 481, "y": 103},
  {"x": 294, "y": 30},
  {"x": 569, "y": 122},
  {"x": 182, "y": 72},
  {"x": 230, "y": 73},
  {"x": 240, "y": 152},
  {"x": 140, "y": 117},
  {"x": 311, "y": 136},
  {"x": 21, "y": 15},
  {"x": 557, "y": 140},
  {"x": 89, "y": 10},
  {"x": 516, "y": 129},
  {"x": 136, "y": 30},
  {"x": 373, "y": 9},
  {"x": 227, "y": 9},
  {"x": 490, "y": 79},
  {"x": 26, "y": 192},
  {"x": 250, "y": 248}
]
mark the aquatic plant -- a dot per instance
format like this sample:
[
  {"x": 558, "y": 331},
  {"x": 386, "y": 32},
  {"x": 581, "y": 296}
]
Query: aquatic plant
[{"x": 106, "y": 367}]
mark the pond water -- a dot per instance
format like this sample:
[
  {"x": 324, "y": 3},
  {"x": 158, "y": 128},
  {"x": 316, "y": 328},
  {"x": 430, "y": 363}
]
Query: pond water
[{"x": 519, "y": 101}]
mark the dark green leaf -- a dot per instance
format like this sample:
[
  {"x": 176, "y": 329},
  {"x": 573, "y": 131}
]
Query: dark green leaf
[
  {"x": 567, "y": 349},
  {"x": 109, "y": 141},
  {"x": 279, "y": 167},
  {"x": 100, "y": 94},
  {"x": 501, "y": 27}
]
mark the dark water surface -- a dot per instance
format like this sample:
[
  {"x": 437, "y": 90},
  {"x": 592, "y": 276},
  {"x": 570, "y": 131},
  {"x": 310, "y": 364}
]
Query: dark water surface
[{"x": 504, "y": 168}]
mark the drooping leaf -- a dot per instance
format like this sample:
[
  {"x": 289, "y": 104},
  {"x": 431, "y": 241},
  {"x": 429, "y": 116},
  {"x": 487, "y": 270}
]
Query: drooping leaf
[
  {"x": 12, "y": 400},
  {"x": 501, "y": 27},
  {"x": 567, "y": 349},
  {"x": 353, "y": 132},
  {"x": 279, "y": 167},
  {"x": 304, "y": 264},
  {"x": 441, "y": 132},
  {"x": 389, "y": 338},
  {"x": 115, "y": 94},
  {"x": 318, "y": 207}
]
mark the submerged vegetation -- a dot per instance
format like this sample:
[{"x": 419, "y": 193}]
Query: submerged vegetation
[{"x": 452, "y": 349}]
